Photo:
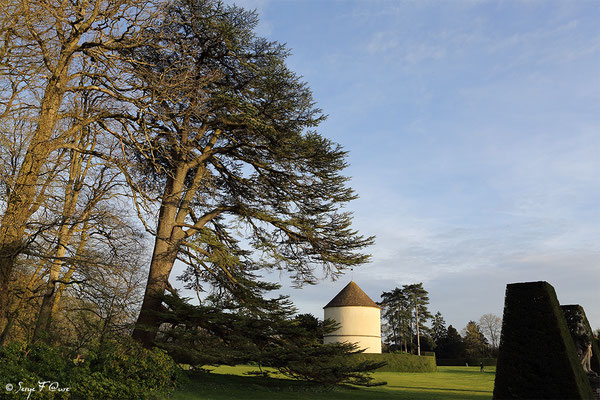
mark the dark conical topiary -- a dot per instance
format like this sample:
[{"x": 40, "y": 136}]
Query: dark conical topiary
[{"x": 537, "y": 357}]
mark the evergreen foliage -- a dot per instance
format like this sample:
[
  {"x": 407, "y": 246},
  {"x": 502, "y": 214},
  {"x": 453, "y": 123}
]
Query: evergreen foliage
[
  {"x": 537, "y": 358},
  {"x": 221, "y": 137},
  {"x": 438, "y": 328},
  {"x": 399, "y": 313},
  {"x": 450, "y": 346},
  {"x": 265, "y": 333}
]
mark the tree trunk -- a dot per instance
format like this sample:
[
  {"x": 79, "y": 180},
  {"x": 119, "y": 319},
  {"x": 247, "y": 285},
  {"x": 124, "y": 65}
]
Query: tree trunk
[
  {"x": 67, "y": 276},
  {"x": 13, "y": 314},
  {"x": 45, "y": 314},
  {"x": 65, "y": 232},
  {"x": 148, "y": 322},
  {"x": 163, "y": 258},
  {"x": 20, "y": 204},
  {"x": 418, "y": 334}
]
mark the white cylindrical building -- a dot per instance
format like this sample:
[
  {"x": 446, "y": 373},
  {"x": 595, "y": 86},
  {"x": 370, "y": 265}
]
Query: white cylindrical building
[{"x": 359, "y": 319}]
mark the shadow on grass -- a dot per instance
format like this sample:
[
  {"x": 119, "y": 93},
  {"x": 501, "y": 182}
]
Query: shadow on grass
[
  {"x": 204, "y": 386},
  {"x": 464, "y": 371},
  {"x": 437, "y": 389}
]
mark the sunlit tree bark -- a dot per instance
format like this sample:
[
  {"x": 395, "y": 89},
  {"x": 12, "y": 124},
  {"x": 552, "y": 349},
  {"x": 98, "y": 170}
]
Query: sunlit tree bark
[{"x": 45, "y": 43}]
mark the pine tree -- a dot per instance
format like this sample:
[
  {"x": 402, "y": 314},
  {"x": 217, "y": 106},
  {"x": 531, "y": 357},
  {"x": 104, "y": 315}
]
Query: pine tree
[
  {"x": 452, "y": 346},
  {"x": 405, "y": 312},
  {"x": 438, "y": 328},
  {"x": 397, "y": 316}
]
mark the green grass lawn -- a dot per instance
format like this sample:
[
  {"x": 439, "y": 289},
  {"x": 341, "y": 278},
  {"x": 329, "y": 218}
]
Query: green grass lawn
[{"x": 448, "y": 383}]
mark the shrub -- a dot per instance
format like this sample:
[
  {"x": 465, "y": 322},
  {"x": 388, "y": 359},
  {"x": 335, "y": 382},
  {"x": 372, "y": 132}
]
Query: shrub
[
  {"x": 25, "y": 365},
  {"x": 111, "y": 370},
  {"x": 537, "y": 357},
  {"x": 125, "y": 370},
  {"x": 400, "y": 362}
]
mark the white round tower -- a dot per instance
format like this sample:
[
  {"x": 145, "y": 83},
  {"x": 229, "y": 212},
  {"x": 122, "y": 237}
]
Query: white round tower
[{"x": 359, "y": 319}]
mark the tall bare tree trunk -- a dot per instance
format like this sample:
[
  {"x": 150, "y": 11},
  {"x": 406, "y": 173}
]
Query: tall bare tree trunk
[
  {"x": 44, "y": 316},
  {"x": 67, "y": 276},
  {"x": 64, "y": 235},
  {"x": 418, "y": 333},
  {"x": 21, "y": 203}
]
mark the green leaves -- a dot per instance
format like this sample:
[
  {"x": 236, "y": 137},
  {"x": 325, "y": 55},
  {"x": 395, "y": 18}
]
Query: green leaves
[
  {"x": 265, "y": 333},
  {"x": 218, "y": 105},
  {"x": 111, "y": 370}
]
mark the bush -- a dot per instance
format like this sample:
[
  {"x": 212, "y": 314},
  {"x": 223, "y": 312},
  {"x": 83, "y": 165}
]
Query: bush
[
  {"x": 400, "y": 362},
  {"x": 537, "y": 356},
  {"x": 23, "y": 366},
  {"x": 125, "y": 370},
  {"x": 111, "y": 370}
]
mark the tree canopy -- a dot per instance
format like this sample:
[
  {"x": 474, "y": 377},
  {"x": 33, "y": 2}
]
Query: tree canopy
[
  {"x": 405, "y": 313},
  {"x": 176, "y": 110}
]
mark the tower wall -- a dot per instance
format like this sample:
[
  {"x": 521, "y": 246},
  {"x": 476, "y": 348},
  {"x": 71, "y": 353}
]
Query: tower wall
[{"x": 361, "y": 325}]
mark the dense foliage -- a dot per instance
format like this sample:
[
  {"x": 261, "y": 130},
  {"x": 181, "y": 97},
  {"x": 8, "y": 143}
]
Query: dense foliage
[
  {"x": 118, "y": 370},
  {"x": 476, "y": 344},
  {"x": 222, "y": 138},
  {"x": 438, "y": 327},
  {"x": 405, "y": 313},
  {"x": 266, "y": 334},
  {"x": 450, "y": 346}
]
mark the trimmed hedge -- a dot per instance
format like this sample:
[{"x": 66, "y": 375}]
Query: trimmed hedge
[
  {"x": 537, "y": 357},
  {"x": 473, "y": 362},
  {"x": 400, "y": 362}
]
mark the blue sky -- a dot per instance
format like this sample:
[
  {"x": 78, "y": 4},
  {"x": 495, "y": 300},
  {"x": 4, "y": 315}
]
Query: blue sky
[{"x": 474, "y": 136}]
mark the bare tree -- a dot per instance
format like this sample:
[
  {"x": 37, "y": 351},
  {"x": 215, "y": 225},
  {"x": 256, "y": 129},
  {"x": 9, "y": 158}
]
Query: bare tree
[
  {"x": 491, "y": 326},
  {"x": 100, "y": 293},
  {"x": 44, "y": 44},
  {"x": 90, "y": 182}
]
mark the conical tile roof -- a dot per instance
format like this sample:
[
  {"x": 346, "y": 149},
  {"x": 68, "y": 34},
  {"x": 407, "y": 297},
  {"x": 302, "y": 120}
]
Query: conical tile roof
[{"x": 351, "y": 295}]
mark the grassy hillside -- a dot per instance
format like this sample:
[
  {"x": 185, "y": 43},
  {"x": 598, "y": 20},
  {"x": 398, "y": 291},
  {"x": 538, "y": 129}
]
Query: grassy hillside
[{"x": 448, "y": 383}]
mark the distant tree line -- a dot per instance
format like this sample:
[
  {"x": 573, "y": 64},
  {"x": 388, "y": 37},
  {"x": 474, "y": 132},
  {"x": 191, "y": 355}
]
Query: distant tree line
[{"x": 409, "y": 326}]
